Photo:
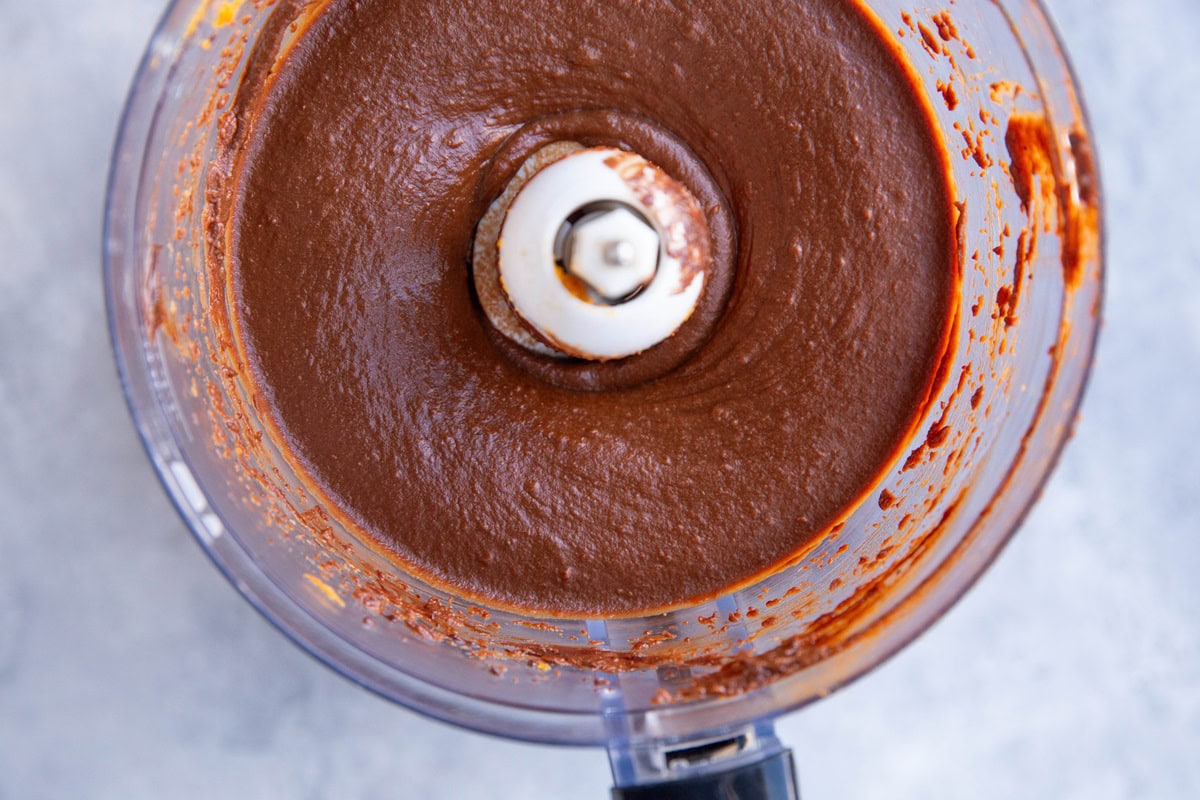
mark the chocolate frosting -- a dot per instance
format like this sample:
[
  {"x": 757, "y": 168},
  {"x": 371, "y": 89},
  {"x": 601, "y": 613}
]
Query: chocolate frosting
[{"x": 577, "y": 488}]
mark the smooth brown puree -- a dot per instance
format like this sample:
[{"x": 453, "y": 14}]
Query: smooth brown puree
[{"x": 593, "y": 489}]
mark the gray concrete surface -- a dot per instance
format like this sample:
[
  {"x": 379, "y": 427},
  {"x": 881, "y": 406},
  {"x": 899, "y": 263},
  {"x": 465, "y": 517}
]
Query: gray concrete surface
[{"x": 130, "y": 669}]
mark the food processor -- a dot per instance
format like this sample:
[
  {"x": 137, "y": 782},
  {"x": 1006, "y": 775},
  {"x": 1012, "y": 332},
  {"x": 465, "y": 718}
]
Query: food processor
[{"x": 682, "y": 700}]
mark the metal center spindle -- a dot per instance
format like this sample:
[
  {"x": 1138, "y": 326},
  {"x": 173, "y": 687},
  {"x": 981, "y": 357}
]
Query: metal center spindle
[{"x": 592, "y": 253}]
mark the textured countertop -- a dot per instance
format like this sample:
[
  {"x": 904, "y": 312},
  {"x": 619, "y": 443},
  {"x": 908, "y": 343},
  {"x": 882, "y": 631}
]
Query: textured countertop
[{"x": 130, "y": 669}]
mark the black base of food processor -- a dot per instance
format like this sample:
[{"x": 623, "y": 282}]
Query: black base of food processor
[
  {"x": 773, "y": 778},
  {"x": 751, "y": 764}
]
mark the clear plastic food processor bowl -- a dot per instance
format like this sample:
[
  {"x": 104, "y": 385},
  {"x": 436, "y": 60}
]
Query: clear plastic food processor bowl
[{"x": 692, "y": 692}]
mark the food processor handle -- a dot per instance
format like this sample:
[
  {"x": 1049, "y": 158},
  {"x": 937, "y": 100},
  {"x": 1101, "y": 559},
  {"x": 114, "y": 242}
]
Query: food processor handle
[{"x": 772, "y": 778}]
